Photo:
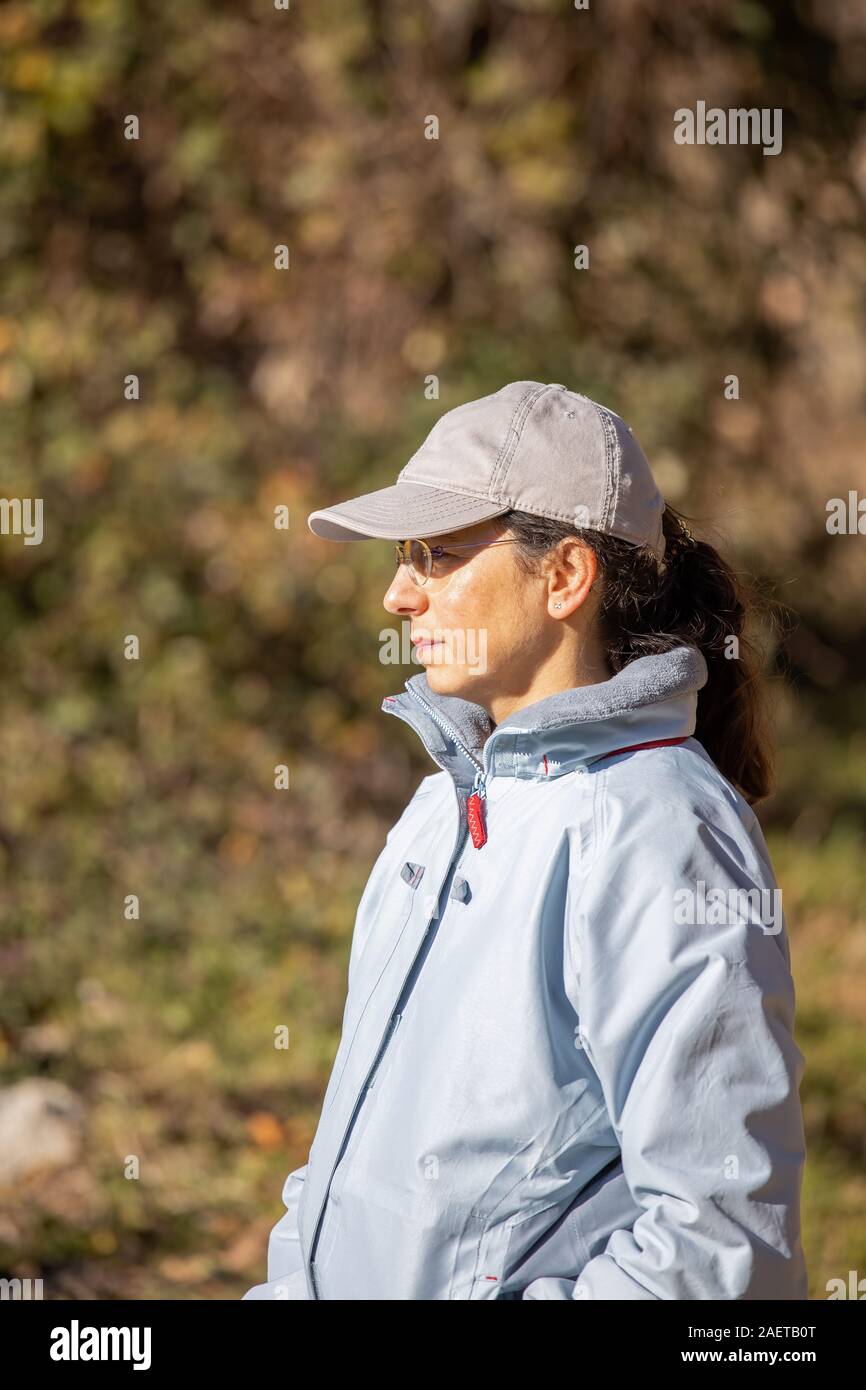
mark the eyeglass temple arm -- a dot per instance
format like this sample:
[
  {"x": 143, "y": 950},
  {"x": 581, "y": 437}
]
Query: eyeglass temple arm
[{"x": 474, "y": 545}]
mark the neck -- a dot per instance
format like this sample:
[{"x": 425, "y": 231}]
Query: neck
[{"x": 563, "y": 671}]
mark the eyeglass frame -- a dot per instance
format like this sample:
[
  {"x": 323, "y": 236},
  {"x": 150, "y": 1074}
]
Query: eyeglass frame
[{"x": 403, "y": 559}]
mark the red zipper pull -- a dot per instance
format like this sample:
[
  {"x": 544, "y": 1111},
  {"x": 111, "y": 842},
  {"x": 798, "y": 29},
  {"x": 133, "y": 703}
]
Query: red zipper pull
[{"x": 475, "y": 812}]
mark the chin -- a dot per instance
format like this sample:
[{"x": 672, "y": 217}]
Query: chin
[{"x": 446, "y": 679}]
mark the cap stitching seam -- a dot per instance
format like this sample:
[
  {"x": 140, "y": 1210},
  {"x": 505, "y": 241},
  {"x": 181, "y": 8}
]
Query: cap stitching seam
[
  {"x": 456, "y": 491},
  {"x": 608, "y": 429},
  {"x": 506, "y": 453},
  {"x": 616, "y": 465},
  {"x": 375, "y": 512}
]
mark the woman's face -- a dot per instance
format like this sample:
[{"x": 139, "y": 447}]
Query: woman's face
[{"x": 486, "y": 627}]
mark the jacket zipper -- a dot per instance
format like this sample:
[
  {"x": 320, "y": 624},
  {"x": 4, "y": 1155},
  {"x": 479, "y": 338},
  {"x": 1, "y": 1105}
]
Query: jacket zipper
[
  {"x": 383, "y": 1048},
  {"x": 475, "y": 819},
  {"x": 392, "y": 1025}
]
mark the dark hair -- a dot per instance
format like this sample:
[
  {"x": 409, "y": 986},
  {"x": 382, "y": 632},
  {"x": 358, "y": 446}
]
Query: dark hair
[{"x": 693, "y": 597}]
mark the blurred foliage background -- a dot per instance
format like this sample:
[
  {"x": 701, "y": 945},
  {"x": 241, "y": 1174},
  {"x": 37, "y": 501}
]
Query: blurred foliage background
[{"x": 153, "y": 1038}]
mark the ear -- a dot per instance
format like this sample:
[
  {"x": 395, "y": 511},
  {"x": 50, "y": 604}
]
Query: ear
[{"x": 572, "y": 571}]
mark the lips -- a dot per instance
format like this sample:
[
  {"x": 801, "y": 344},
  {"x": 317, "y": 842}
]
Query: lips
[{"x": 424, "y": 645}]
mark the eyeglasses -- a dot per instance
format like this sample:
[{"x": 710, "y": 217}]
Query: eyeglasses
[{"x": 427, "y": 561}]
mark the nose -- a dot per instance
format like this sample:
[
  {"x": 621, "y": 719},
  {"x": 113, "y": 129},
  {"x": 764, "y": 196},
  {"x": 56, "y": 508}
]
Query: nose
[{"x": 403, "y": 595}]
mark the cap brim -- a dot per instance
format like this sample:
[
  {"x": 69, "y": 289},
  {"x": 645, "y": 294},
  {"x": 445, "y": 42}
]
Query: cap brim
[{"x": 402, "y": 511}]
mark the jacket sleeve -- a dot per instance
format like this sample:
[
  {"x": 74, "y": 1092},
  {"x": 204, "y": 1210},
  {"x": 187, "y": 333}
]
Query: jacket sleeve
[
  {"x": 688, "y": 1024},
  {"x": 286, "y": 1277}
]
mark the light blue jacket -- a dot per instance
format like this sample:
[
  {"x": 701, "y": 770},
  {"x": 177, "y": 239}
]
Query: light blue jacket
[{"x": 567, "y": 1066}]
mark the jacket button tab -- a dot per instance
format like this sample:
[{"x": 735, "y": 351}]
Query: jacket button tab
[
  {"x": 412, "y": 874},
  {"x": 460, "y": 890}
]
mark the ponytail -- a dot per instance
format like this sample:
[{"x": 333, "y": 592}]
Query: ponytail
[{"x": 693, "y": 597}]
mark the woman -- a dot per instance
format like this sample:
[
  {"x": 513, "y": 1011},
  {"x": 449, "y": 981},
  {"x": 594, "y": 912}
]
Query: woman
[{"x": 567, "y": 1067}]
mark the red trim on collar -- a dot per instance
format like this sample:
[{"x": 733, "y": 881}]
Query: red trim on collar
[{"x": 633, "y": 747}]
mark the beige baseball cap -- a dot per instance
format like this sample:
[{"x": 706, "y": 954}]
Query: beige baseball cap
[{"x": 530, "y": 446}]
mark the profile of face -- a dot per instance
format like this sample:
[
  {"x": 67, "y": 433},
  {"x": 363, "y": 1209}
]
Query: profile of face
[{"x": 481, "y": 626}]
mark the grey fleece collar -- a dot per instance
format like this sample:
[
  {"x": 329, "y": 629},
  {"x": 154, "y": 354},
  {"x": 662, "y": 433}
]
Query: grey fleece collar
[{"x": 653, "y": 697}]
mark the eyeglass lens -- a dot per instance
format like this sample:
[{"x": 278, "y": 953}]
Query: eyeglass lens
[{"x": 419, "y": 561}]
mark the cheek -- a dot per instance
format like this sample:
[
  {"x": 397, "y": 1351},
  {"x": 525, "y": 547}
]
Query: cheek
[{"x": 488, "y": 609}]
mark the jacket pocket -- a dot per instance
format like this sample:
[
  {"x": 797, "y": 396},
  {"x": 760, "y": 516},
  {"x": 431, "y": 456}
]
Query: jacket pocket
[{"x": 556, "y": 1240}]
